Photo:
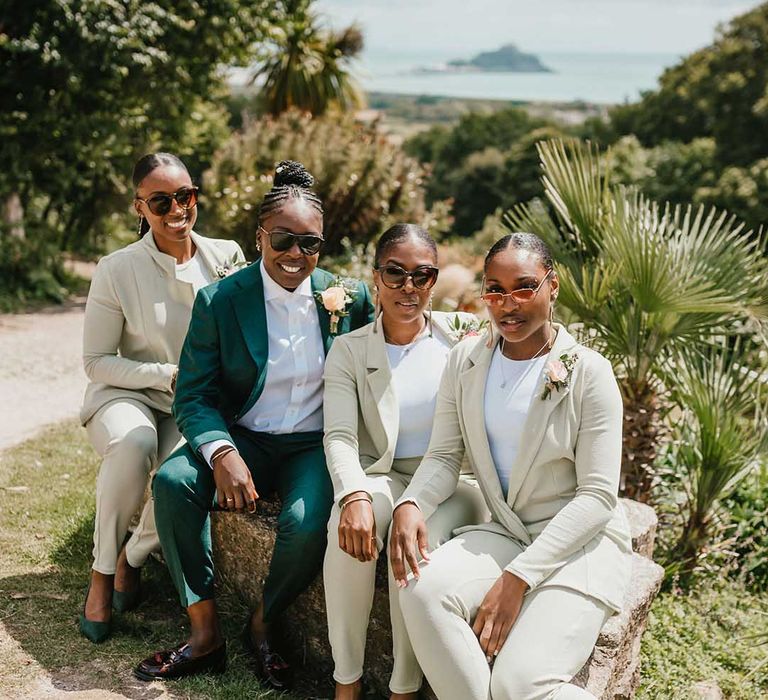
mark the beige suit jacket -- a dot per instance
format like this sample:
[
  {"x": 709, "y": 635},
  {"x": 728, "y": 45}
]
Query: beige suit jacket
[
  {"x": 562, "y": 503},
  {"x": 360, "y": 408},
  {"x": 136, "y": 318}
]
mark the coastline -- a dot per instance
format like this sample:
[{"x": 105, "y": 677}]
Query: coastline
[{"x": 404, "y": 115}]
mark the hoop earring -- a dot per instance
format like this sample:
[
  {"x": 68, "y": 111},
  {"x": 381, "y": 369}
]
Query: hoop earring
[
  {"x": 430, "y": 316},
  {"x": 376, "y": 312},
  {"x": 141, "y": 223}
]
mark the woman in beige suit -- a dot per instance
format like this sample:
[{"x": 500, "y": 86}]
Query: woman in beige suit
[
  {"x": 136, "y": 318},
  {"x": 511, "y": 609},
  {"x": 380, "y": 388}
]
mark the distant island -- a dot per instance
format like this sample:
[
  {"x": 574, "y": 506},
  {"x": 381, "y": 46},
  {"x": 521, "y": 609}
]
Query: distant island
[{"x": 507, "y": 59}]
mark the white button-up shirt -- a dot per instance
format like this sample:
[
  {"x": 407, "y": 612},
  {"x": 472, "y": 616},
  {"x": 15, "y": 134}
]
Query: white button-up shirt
[{"x": 292, "y": 398}]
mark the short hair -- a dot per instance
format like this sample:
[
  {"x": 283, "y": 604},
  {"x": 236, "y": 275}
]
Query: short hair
[
  {"x": 292, "y": 181},
  {"x": 397, "y": 234},
  {"x": 521, "y": 241}
]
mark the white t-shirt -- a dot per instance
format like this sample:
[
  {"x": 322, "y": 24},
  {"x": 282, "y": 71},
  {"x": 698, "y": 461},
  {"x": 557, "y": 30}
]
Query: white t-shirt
[
  {"x": 510, "y": 388},
  {"x": 416, "y": 372},
  {"x": 194, "y": 272}
]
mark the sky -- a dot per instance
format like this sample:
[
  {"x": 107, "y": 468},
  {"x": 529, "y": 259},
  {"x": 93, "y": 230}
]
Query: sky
[{"x": 461, "y": 27}]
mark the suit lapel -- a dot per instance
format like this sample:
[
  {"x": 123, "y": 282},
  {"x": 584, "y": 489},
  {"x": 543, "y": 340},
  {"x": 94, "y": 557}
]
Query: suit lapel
[
  {"x": 380, "y": 385},
  {"x": 320, "y": 281},
  {"x": 249, "y": 307},
  {"x": 537, "y": 419}
]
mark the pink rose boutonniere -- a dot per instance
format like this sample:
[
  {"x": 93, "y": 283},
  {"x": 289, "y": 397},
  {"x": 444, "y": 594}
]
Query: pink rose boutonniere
[
  {"x": 557, "y": 374},
  {"x": 336, "y": 299}
]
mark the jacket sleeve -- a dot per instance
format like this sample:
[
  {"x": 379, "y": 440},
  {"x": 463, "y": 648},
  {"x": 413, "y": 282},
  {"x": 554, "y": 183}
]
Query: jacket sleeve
[
  {"x": 102, "y": 331},
  {"x": 196, "y": 403},
  {"x": 598, "y": 468},
  {"x": 438, "y": 474},
  {"x": 340, "y": 415}
]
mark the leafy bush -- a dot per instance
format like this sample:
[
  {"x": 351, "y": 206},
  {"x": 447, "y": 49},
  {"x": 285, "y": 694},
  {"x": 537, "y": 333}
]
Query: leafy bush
[
  {"x": 747, "y": 511},
  {"x": 366, "y": 182}
]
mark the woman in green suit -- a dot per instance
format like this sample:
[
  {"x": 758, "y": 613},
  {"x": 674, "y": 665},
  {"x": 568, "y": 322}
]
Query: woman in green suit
[
  {"x": 136, "y": 318},
  {"x": 249, "y": 403}
]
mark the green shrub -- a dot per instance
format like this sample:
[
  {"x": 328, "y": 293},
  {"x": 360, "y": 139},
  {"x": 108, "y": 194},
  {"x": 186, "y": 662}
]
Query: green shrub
[
  {"x": 365, "y": 181},
  {"x": 747, "y": 511}
]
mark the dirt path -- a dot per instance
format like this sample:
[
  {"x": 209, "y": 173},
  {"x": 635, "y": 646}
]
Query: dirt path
[
  {"x": 41, "y": 382},
  {"x": 41, "y": 371}
]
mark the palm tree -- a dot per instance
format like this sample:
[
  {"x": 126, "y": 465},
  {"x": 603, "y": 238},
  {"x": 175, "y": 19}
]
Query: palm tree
[
  {"x": 720, "y": 435},
  {"x": 308, "y": 68},
  {"x": 645, "y": 281}
]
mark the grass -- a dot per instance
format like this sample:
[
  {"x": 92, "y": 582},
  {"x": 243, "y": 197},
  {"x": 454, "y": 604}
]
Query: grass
[
  {"x": 45, "y": 543},
  {"x": 45, "y": 552}
]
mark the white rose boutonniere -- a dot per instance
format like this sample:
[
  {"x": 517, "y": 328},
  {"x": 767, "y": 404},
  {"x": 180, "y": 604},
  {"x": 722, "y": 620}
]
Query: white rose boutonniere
[
  {"x": 557, "y": 374},
  {"x": 227, "y": 269},
  {"x": 336, "y": 299}
]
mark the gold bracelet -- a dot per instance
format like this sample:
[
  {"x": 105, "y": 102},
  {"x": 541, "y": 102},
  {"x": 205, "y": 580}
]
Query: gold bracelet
[
  {"x": 367, "y": 497},
  {"x": 221, "y": 452}
]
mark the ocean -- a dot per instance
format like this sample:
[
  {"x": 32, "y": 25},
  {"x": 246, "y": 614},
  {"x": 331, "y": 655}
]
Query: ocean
[{"x": 604, "y": 78}]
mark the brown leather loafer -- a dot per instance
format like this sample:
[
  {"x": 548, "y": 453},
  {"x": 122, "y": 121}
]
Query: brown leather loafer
[
  {"x": 272, "y": 670},
  {"x": 179, "y": 662}
]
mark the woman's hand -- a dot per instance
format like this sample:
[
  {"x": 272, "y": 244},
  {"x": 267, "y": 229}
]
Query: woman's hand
[
  {"x": 357, "y": 528},
  {"x": 409, "y": 533},
  {"x": 234, "y": 485},
  {"x": 498, "y": 613}
]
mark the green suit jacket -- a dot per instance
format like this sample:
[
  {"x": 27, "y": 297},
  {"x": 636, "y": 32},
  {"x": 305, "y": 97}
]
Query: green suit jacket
[{"x": 224, "y": 359}]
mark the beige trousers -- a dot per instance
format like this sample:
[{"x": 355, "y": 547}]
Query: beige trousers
[
  {"x": 548, "y": 644},
  {"x": 349, "y": 584},
  {"x": 132, "y": 440}
]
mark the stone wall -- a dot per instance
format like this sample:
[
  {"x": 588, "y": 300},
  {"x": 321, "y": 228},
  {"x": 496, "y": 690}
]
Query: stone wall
[{"x": 243, "y": 545}]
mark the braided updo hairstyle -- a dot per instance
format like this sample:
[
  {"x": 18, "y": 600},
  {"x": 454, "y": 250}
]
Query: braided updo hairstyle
[{"x": 292, "y": 181}]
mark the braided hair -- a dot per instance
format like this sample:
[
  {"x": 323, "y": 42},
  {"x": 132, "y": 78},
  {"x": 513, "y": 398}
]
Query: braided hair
[
  {"x": 521, "y": 241},
  {"x": 397, "y": 234},
  {"x": 292, "y": 181}
]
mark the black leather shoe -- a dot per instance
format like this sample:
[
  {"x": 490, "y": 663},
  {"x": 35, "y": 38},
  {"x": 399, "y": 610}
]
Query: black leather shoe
[
  {"x": 179, "y": 662},
  {"x": 272, "y": 670}
]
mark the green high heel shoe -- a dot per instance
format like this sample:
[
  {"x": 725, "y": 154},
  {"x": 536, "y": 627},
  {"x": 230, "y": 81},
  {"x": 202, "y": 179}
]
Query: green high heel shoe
[
  {"x": 92, "y": 630},
  {"x": 124, "y": 601}
]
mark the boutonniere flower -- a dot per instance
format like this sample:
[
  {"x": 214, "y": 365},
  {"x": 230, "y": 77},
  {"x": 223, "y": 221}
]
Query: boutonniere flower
[
  {"x": 227, "y": 269},
  {"x": 465, "y": 328},
  {"x": 336, "y": 299},
  {"x": 557, "y": 374}
]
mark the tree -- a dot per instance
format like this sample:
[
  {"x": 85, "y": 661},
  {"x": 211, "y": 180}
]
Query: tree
[
  {"x": 365, "y": 181},
  {"x": 648, "y": 282},
  {"x": 719, "y": 92},
  {"x": 88, "y": 85},
  {"x": 307, "y": 67}
]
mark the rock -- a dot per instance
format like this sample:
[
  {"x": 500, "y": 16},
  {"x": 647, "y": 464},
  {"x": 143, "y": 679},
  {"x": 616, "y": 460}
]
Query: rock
[
  {"x": 243, "y": 546},
  {"x": 707, "y": 690},
  {"x": 642, "y": 526}
]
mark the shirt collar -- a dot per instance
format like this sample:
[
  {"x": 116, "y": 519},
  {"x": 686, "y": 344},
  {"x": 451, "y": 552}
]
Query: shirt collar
[{"x": 272, "y": 290}]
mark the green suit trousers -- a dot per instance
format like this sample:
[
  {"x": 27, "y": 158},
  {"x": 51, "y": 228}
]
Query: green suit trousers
[{"x": 291, "y": 465}]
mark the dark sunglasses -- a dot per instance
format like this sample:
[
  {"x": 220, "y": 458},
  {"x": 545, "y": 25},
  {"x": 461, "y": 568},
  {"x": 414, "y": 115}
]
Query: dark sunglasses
[
  {"x": 308, "y": 243},
  {"x": 521, "y": 296},
  {"x": 160, "y": 204},
  {"x": 394, "y": 276}
]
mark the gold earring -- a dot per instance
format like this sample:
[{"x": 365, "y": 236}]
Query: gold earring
[
  {"x": 141, "y": 223},
  {"x": 430, "y": 315}
]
